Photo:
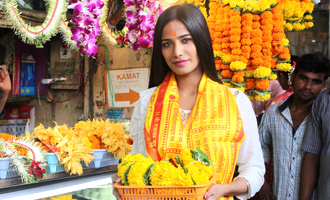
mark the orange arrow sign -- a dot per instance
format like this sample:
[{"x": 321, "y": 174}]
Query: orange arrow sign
[{"x": 131, "y": 96}]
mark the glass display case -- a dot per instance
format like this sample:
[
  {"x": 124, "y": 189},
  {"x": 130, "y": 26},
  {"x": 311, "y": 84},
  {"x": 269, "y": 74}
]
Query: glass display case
[{"x": 94, "y": 187}]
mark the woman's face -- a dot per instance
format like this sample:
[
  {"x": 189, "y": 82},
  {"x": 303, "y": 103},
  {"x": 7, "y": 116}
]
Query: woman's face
[{"x": 179, "y": 50}]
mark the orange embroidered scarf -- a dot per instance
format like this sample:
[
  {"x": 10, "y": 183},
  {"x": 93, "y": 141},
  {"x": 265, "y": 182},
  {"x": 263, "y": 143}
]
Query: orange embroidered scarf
[{"x": 214, "y": 125}]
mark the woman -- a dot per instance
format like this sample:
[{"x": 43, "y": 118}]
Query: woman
[{"x": 187, "y": 107}]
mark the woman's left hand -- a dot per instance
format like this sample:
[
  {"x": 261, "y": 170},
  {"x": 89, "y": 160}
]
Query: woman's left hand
[{"x": 215, "y": 192}]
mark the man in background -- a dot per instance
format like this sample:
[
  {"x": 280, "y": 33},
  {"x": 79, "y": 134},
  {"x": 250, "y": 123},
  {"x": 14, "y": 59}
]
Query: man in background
[{"x": 284, "y": 125}]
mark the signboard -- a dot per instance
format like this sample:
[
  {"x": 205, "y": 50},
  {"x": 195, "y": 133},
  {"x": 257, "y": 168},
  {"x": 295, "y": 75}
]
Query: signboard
[{"x": 123, "y": 86}]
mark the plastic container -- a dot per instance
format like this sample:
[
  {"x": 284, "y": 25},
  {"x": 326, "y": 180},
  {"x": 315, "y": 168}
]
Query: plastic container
[
  {"x": 101, "y": 154},
  {"x": 100, "y": 163},
  {"x": 4, "y": 163},
  {"x": 51, "y": 159},
  {"x": 52, "y": 169},
  {"x": 195, "y": 192},
  {"x": 7, "y": 173}
]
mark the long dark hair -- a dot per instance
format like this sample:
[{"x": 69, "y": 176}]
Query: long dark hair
[{"x": 196, "y": 24}]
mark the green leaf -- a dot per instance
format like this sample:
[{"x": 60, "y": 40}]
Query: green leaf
[
  {"x": 283, "y": 61},
  {"x": 226, "y": 63},
  {"x": 262, "y": 93},
  {"x": 126, "y": 173},
  {"x": 199, "y": 155},
  {"x": 177, "y": 159},
  {"x": 242, "y": 84},
  {"x": 148, "y": 173},
  {"x": 226, "y": 80}
]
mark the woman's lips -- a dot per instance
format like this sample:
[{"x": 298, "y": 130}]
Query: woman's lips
[{"x": 180, "y": 63}]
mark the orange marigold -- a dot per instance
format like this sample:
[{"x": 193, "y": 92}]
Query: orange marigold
[
  {"x": 277, "y": 36},
  {"x": 267, "y": 32},
  {"x": 234, "y": 58},
  {"x": 234, "y": 38},
  {"x": 285, "y": 56},
  {"x": 267, "y": 15},
  {"x": 247, "y": 17},
  {"x": 267, "y": 52},
  {"x": 235, "y": 19},
  {"x": 217, "y": 66},
  {"x": 267, "y": 64},
  {"x": 246, "y": 36},
  {"x": 236, "y": 51},
  {"x": 247, "y": 29},
  {"x": 217, "y": 40},
  {"x": 217, "y": 47},
  {"x": 256, "y": 54},
  {"x": 256, "y": 17},
  {"x": 225, "y": 40},
  {"x": 256, "y": 33},
  {"x": 225, "y": 33},
  {"x": 226, "y": 74},
  {"x": 223, "y": 67},
  {"x": 256, "y": 48},
  {"x": 243, "y": 59},
  {"x": 267, "y": 38},
  {"x": 225, "y": 45},
  {"x": 266, "y": 45},
  {"x": 218, "y": 61},
  {"x": 247, "y": 24},
  {"x": 262, "y": 84},
  {"x": 235, "y": 25},
  {"x": 226, "y": 50},
  {"x": 235, "y": 31},
  {"x": 246, "y": 55},
  {"x": 267, "y": 26},
  {"x": 218, "y": 35},
  {"x": 257, "y": 61},
  {"x": 237, "y": 78},
  {"x": 235, "y": 45},
  {"x": 246, "y": 49},
  {"x": 285, "y": 50},
  {"x": 256, "y": 25},
  {"x": 246, "y": 42},
  {"x": 250, "y": 85},
  {"x": 257, "y": 41}
]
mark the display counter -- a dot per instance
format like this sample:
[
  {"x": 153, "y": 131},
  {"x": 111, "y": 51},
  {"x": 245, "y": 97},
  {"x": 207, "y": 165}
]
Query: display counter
[{"x": 49, "y": 189}]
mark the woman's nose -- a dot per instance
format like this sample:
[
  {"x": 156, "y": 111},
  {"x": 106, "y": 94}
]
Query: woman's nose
[{"x": 177, "y": 52}]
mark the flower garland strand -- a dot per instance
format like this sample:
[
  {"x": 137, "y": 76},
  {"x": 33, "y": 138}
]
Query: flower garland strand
[
  {"x": 86, "y": 16},
  {"x": 37, "y": 35},
  {"x": 141, "y": 19},
  {"x": 32, "y": 168}
]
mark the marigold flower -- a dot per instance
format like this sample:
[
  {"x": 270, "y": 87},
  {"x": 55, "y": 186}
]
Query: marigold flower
[
  {"x": 256, "y": 33},
  {"x": 255, "y": 17},
  {"x": 226, "y": 50},
  {"x": 267, "y": 52},
  {"x": 235, "y": 31},
  {"x": 262, "y": 98},
  {"x": 256, "y": 25},
  {"x": 247, "y": 17},
  {"x": 246, "y": 42},
  {"x": 285, "y": 56},
  {"x": 234, "y": 58},
  {"x": 257, "y": 41},
  {"x": 246, "y": 55},
  {"x": 267, "y": 38},
  {"x": 247, "y": 24},
  {"x": 262, "y": 84},
  {"x": 225, "y": 40},
  {"x": 235, "y": 19},
  {"x": 262, "y": 72},
  {"x": 266, "y": 45},
  {"x": 256, "y": 48},
  {"x": 246, "y": 29},
  {"x": 234, "y": 38},
  {"x": 284, "y": 67},
  {"x": 243, "y": 59},
  {"x": 288, "y": 26},
  {"x": 250, "y": 85},
  {"x": 226, "y": 74},
  {"x": 223, "y": 67},
  {"x": 257, "y": 61},
  {"x": 249, "y": 73},
  {"x": 256, "y": 54},
  {"x": 237, "y": 66},
  {"x": 236, "y": 51},
  {"x": 273, "y": 77},
  {"x": 225, "y": 33},
  {"x": 228, "y": 84},
  {"x": 235, "y": 45},
  {"x": 237, "y": 78}
]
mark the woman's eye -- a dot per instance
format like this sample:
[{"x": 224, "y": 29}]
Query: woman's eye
[
  {"x": 167, "y": 44},
  {"x": 185, "y": 40}
]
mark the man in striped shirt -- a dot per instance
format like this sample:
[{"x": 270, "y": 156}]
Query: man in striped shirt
[{"x": 283, "y": 126}]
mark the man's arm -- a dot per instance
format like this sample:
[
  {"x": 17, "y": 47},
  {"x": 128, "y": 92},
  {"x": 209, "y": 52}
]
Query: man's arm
[{"x": 309, "y": 175}]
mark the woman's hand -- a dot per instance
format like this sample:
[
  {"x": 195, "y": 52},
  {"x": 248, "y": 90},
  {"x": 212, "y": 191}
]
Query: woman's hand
[
  {"x": 115, "y": 179},
  {"x": 215, "y": 192}
]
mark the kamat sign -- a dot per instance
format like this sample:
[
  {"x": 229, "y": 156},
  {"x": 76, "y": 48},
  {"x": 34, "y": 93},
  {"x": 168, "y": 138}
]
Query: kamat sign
[{"x": 126, "y": 85}]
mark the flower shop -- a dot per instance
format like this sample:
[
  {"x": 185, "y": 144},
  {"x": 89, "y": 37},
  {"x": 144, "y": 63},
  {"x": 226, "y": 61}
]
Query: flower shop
[{"x": 77, "y": 67}]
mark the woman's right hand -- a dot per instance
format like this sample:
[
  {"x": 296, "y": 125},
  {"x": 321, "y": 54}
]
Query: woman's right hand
[{"x": 115, "y": 179}]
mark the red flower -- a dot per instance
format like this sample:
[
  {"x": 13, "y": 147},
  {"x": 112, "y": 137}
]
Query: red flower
[{"x": 37, "y": 169}]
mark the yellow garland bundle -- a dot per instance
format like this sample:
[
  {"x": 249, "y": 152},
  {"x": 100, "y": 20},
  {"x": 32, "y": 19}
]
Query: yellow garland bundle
[{"x": 297, "y": 14}]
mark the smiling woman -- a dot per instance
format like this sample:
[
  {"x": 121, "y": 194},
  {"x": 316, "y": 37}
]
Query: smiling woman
[{"x": 186, "y": 106}]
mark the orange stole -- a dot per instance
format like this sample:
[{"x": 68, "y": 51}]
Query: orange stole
[{"x": 214, "y": 125}]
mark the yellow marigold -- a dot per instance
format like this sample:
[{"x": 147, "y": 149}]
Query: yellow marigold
[
  {"x": 308, "y": 24},
  {"x": 198, "y": 176},
  {"x": 262, "y": 98},
  {"x": 273, "y": 77},
  {"x": 262, "y": 72},
  {"x": 217, "y": 54},
  {"x": 228, "y": 84},
  {"x": 135, "y": 174},
  {"x": 237, "y": 66},
  {"x": 226, "y": 58},
  {"x": 241, "y": 88},
  {"x": 285, "y": 42},
  {"x": 308, "y": 17},
  {"x": 165, "y": 174},
  {"x": 251, "y": 97},
  {"x": 288, "y": 26},
  {"x": 249, "y": 73},
  {"x": 298, "y": 26},
  {"x": 284, "y": 67},
  {"x": 186, "y": 157}
]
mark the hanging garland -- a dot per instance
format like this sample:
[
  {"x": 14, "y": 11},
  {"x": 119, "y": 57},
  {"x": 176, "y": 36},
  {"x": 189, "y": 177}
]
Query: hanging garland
[
  {"x": 37, "y": 35},
  {"x": 32, "y": 168}
]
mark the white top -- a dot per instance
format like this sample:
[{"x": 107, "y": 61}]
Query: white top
[{"x": 250, "y": 160}]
